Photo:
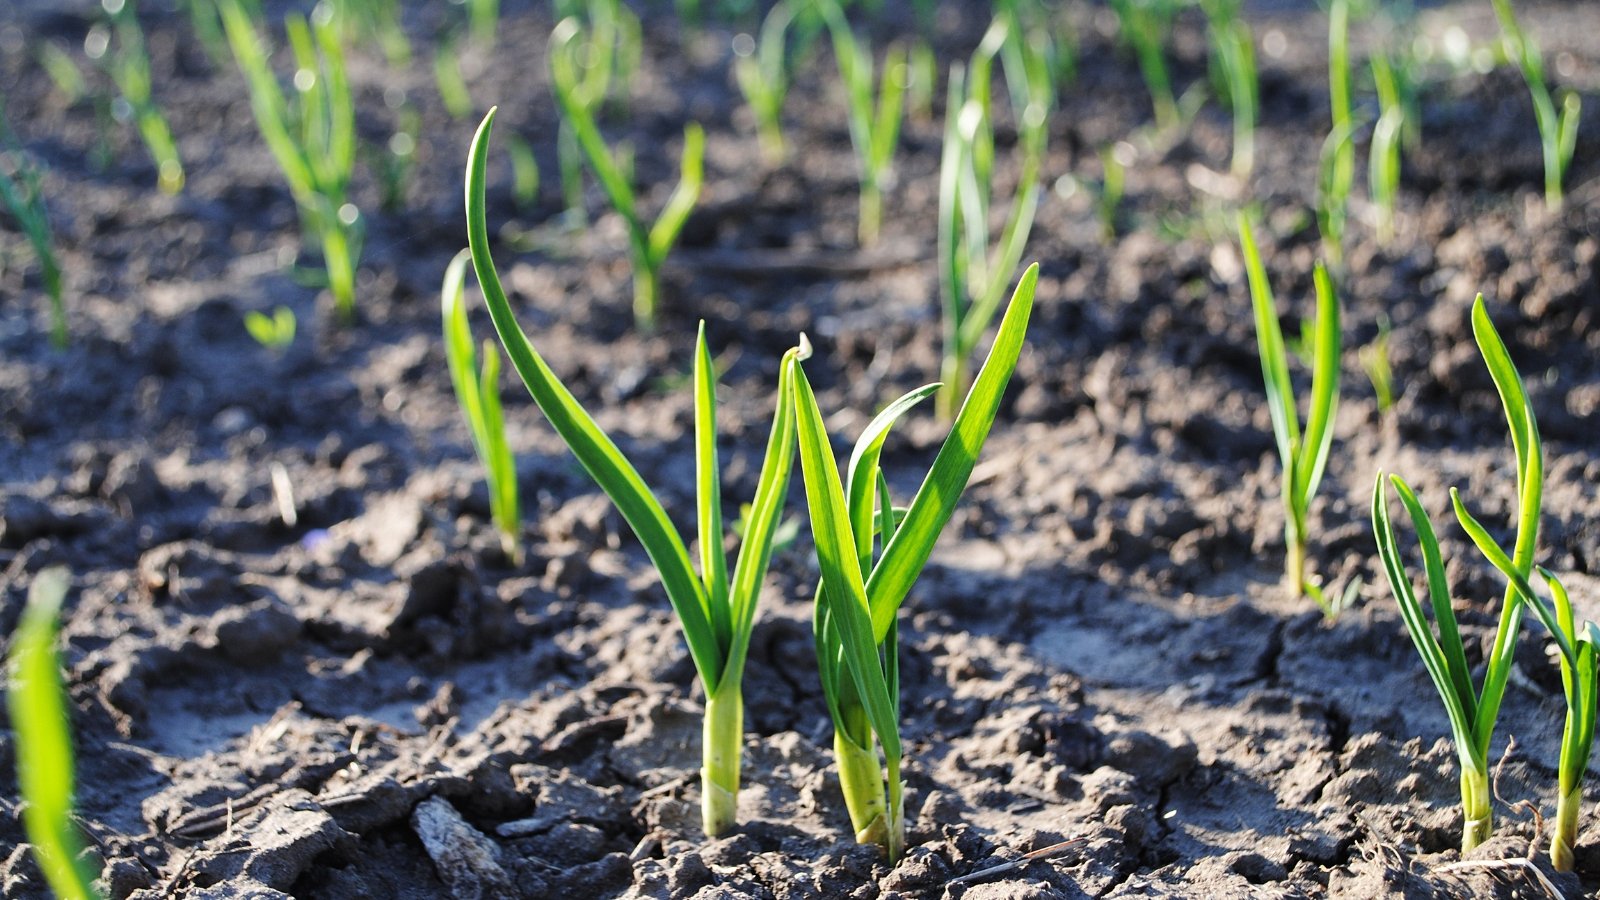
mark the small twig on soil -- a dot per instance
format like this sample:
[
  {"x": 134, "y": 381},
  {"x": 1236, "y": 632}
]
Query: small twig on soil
[
  {"x": 1523, "y": 805},
  {"x": 1019, "y": 862},
  {"x": 646, "y": 846},
  {"x": 667, "y": 787},
  {"x": 1526, "y": 865}
]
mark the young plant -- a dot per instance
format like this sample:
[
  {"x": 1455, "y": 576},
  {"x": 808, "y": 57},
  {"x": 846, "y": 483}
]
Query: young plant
[
  {"x": 649, "y": 244},
  {"x": 874, "y": 130},
  {"x": 129, "y": 67},
  {"x": 452, "y": 87},
  {"x": 763, "y": 78},
  {"x": 1337, "y": 170},
  {"x": 483, "y": 22},
  {"x": 1375, "y": 362},
  {"x": 524, "y": 171},
  {"x": 1108, "y": 203},
  {"x": 24, "y": 201},
  {"x": 1304, "y": 454},
  {"x": 1233, "y": 49},
  {"x": 375, "y": 22},
  {"x": 1145, "y": 25},
  {"x": 313, "y": 138},
  {"x": 1472, "y": 712},
  {"x": 478, "y": 392},
  {"x": 274, "y": 332},
  {"x": 38, "y": 708},
  {"x": 608, "y": 50},
  {"x": 715, "y": 607},
  {"x": 1558, "y": 129},
  {"x": 974, "y": 276},
  {"x": 1383, "y": 167},
  {"x": 860, "y": 594}
]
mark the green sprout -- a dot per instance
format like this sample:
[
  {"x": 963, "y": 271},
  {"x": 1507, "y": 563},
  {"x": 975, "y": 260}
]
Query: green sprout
[
  {"x": 129, "y": 67},
  {"x": 24, "y": 201},
  {"x": 478, "y": 393},
  {"x": 1579, "y": 663},
  {"x": 394, "y": 161},
  {"x": 1304, "y": 454},
  {"x": 38, "y": 708},
  {"x": 1337, "y": 169},
  {"x": 859, "y": 596},
  {"x": 1108, "y": 202},
  {"x": 1145, "y": 25},
  {"x": 874, "y": 130},
  {"x": 922, "y": 79},
  {"x": 312, "y": 138},
  {"x": 483, "y": 22},
  {"x": 1472, "y": 712},
  {"x": 974, "y": 277},
  {"x": 1558, "y": 128},
  {"x": 1383, "y": 167},
  {"x": 274, "y": 332},
  {"x": 63, "y": 72},
  {"x": 1374, "y": 360},
  {"x": 524, "y": 171},
  {"x": 763, "y": 77},
  {"x": 608, "y": 51},
  {"x": 452, "y": 87},
  {"x": 649, "y": 244},
  {"x": 375, "y": 22},
  {"x": 715, "y": 607},
  {"x": 1233, "y": 49}
]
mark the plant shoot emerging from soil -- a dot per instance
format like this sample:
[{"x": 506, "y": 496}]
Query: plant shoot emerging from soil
[
  {"x": 716, "y": 608},
  {"x": 1145, "y": 25},
  {"x": 860, "y": 595},
  {"x": 1304, "y": 454},
  {"x": 1338, "y": 164},
  {"x": 477, "y": 386},
  {"x": 1472, "y": 712},
  {"x": 649, "y": 244},
  {"x": 313, "y": 138},
  {"x": 972, "y": 276},
  {"x": 38, "y": 708},
  {"x": 874, "y": 131},
  {"x": 762, "y": 71},
  {"x": 1233, "y": 49},
  {"x": 1558, "y": 128},
  {"x": 128, "y": 64},
  {"x": 274, "y": 332},
  {"x": 24, "y": 201}
]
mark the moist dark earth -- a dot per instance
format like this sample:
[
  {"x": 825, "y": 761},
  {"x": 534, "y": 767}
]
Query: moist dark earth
[{"x": 374, "y": 702}]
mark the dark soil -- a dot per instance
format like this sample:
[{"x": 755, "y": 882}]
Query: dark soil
[{"x": 375, "y": 703}]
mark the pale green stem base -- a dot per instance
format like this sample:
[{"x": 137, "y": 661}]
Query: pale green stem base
[
  {"x": 1477, "y": 824},
  {"x": 723, "y": 740},
  {"x": 877, "y": 817},
  {"x": 341, "y": 272},
  {"x": 1565, "y": 835},
  {"x": 871, "y": 215},
  {"x": 646, "y": 285}
]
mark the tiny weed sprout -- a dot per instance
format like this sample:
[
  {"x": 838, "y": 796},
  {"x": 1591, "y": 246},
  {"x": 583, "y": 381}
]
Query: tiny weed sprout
[
  {"x": 874, "y": 130},
  {"x": 762, "y": 72},
  {"x": 1304, "y": 454},
  {"x": 274, "y": 332},
  {"x": 1472, "y": 713},
  {"x": 1233, "y": 49},
  {"x": 312, "y": 138},
  {"x": 1337, "y": 170},
  {"x": 1558, "y": 128},
  {"x": 63, "y": 72},
  {"x": 649, "y": 244},
  {"x": 859, "y": 597},
  {"x": 1374, "y": 360},
  {"x": 43, "y": 746},
  {"x": 477, "y": 389},
  {"x": 715, "y": 607},
  {"x": 973, "y": 277},
  {"x": 129, "y": 67},
  {"x": 1383, "y": 161},
  {"x": 24, "y": 202},
  {"x": 1145, "y": 26}
]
